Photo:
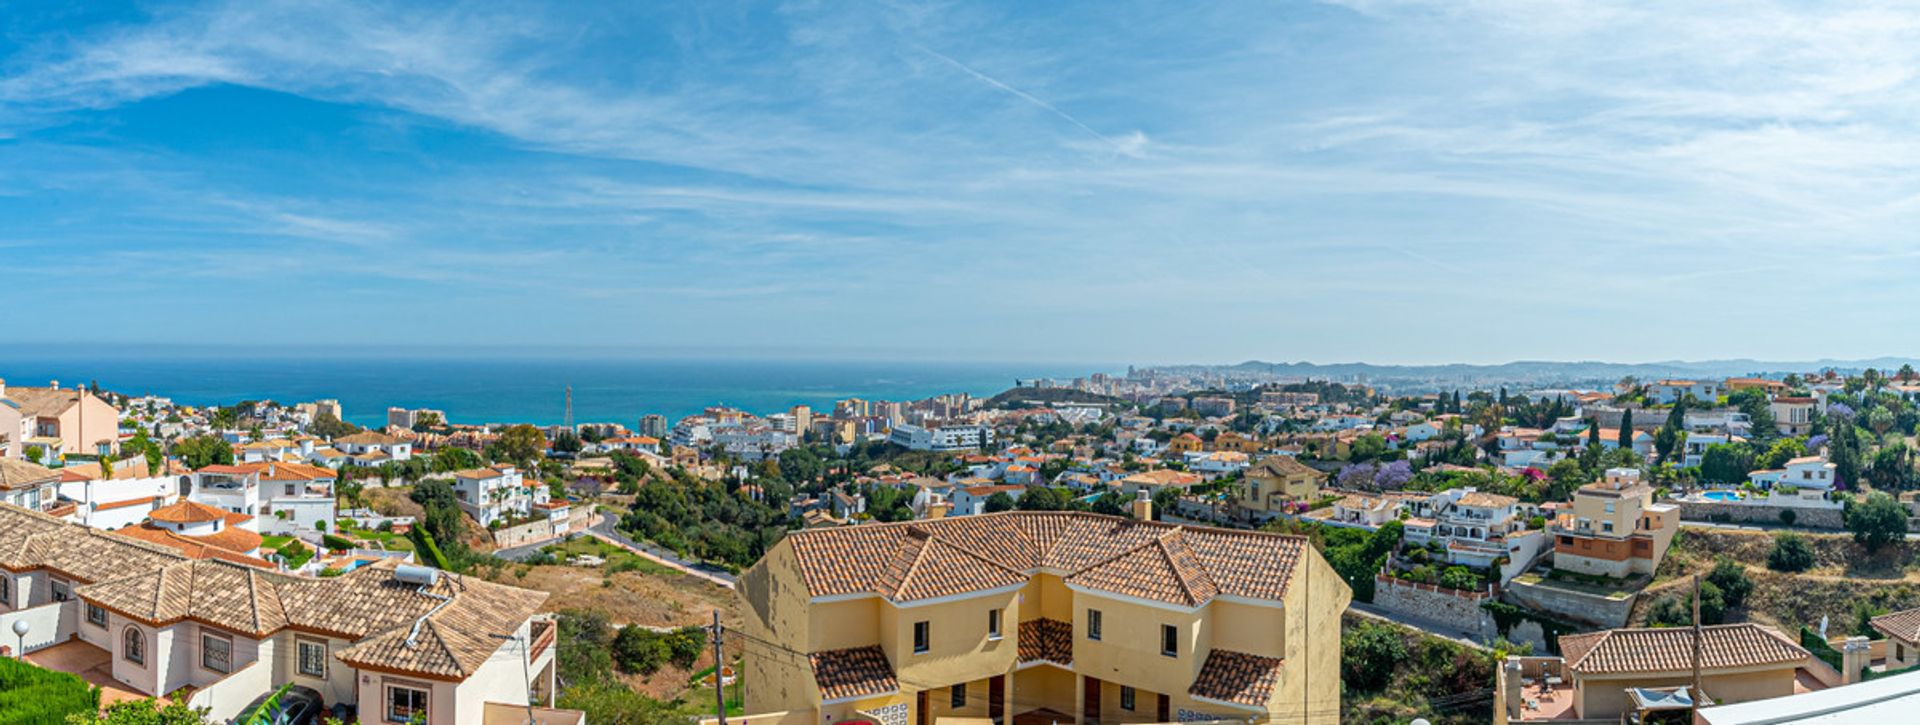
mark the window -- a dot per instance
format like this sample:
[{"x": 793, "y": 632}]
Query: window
[
  {"x": 957, "y": 698},
  {"x": 96, "y": 616},
  {"x": 133, "y": 646},
  {"x": 1126, "y": 698},
  {"x": 1169, "y": 640},
  {"x": 1093, "y": 624},
  {"x": 405, "y": 703},
  {"x": 6, "y": 589},
  {"x": 313, "y": 658},
  {"x": 993, "y": 624},
  {"x": 922, "y": 637},
  {"x": 1606, "y": 526},
  {"x": 62, "y": 591},
  {"x": 216, "y": 652},
  {"x": 1609, "y": 507}
]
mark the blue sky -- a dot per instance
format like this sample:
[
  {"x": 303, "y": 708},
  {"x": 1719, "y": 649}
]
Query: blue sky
[{"x": 1097, "y": 181}]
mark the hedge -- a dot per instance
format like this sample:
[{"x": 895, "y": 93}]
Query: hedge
[{"x": 30, "y": 695}]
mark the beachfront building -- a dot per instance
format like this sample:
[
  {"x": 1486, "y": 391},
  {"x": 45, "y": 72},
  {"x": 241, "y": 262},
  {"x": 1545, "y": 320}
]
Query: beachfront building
[
  {"x": 1049, "y": 616},
  {"x": 940, "y": 437},
  {"x": 399, "y": 644},
  {"x": 1614, "y": 528}
]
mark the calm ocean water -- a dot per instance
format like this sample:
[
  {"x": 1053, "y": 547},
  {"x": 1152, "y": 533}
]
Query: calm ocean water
[{"x": 522, "y": 390}]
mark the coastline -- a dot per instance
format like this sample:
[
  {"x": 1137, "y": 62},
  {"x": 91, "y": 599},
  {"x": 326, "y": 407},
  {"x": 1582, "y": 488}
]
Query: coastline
[{"x": 527, "y": 390}]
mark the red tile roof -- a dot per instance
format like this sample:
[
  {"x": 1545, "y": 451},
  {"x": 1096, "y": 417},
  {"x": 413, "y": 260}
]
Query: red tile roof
[
  {"x": 855, "y": 672},
  {"x": 1236, "y": 677},
  {"x": 1629, "y": 651},
  {"x": 1182, "y": 565}
]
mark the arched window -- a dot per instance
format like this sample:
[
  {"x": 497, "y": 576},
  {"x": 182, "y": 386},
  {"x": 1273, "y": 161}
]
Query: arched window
[{"x": 134, "y": 647}]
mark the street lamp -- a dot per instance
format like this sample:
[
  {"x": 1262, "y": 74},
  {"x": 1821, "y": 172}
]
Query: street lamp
[{"x": 20, "y": 629}]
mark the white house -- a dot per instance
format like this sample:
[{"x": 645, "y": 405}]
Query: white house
[
  {"x": 373, "y": 448},
  {"x": 1668, "y": 392},
  {"x": 397, "y": 643},
  {"x": 497, "y": 494},
  {"x": 971, "y": 500},
  {"x": 111, "y": 502}
]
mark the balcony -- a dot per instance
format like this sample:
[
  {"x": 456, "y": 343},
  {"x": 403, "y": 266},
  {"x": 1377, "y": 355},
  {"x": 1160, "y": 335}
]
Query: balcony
[{"x": 542, "y": 632}]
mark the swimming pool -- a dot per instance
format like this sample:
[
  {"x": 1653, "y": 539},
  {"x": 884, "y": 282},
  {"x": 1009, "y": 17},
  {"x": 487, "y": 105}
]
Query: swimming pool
[{"x": 1721, "y": 495}]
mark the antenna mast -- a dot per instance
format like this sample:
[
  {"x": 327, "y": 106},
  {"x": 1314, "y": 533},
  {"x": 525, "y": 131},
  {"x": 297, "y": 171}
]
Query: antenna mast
[{"x": 568, "y": 420}]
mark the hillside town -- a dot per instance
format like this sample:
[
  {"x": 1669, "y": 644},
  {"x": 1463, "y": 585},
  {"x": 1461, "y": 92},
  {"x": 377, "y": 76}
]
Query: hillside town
[{"x": 1267, "y": 552}]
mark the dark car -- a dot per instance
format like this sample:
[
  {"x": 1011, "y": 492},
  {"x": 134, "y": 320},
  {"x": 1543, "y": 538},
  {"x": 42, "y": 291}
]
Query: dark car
[{"x": 297, "y": 706}]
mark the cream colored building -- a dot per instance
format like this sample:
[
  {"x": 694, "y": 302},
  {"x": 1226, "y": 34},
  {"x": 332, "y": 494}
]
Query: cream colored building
[
  {"x": 1275, "y": 481},
  {"x": 1041, "y": 615},
  {"x": 1614, "y": 528},
  {"x": 1739, "y": 663}
]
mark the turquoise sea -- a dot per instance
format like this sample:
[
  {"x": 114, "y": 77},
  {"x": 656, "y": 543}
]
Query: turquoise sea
[{"x": 531, "y": 390}]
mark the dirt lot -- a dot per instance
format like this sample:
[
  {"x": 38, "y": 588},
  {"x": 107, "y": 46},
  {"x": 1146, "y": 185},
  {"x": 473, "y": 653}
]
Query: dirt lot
[{"x": 648, "y": 598}]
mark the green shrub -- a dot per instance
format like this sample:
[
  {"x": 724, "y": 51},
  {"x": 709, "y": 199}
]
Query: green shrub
[
  {"x": 1732, "y": 580},
  {"x": 1790, "y": 553},
  {"x": 30, "y": 695},
  {"x": 1369, "y": 653}
]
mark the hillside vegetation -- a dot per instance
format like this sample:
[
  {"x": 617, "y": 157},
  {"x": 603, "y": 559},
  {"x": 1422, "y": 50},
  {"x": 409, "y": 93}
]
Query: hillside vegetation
[{"x": 1844, "y": 578}]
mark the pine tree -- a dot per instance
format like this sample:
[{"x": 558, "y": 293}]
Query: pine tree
[{"x": 1626, "y": 429}]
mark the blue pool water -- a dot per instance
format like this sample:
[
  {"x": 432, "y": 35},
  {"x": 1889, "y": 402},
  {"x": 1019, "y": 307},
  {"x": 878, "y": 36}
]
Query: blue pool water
[{"x": 1721, "y": 496}]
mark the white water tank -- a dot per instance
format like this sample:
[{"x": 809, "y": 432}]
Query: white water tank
[{"x": 424, "y": 576}]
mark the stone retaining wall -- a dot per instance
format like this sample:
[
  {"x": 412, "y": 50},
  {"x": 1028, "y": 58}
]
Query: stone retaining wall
[
  {"x": 1741, "y": 513},
  {"x": 1568, "y": 604},
  {"x": 1436, "y": 605}
]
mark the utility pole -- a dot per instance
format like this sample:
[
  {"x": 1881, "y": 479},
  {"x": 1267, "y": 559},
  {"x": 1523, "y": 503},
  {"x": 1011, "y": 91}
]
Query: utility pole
[
  {"x": 719, "y": 672},
  {"x": 1693, "y": 697}
]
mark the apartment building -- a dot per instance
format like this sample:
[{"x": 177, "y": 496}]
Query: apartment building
[
  {"x": 940, "y": 438},
  {"x": 391, "y": 642},
  {"x": 1058, "y": 615},
  {"x": 1614, "y": 528}
]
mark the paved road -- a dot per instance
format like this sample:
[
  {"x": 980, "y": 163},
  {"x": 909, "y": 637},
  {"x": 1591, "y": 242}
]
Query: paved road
[
  {"x": 1457, "y": 635},
  {"x": 605, "y": 531}
]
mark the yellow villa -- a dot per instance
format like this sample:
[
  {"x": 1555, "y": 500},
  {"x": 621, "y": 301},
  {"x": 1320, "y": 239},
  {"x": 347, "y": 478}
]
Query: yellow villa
[{"x": 1041, "y": 617}]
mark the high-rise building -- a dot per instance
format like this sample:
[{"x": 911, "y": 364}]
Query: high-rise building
[
  {"x": 653, "y": 425},
  {"x": 802, "y": 417}
]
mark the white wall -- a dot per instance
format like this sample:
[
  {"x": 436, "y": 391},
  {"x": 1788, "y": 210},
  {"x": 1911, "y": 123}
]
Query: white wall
[
  {"x": 502, "y": 679},
  {"x": 45, "y": 627}
]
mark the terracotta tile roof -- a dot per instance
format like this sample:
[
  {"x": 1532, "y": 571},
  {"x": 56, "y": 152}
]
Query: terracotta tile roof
[
  {"x": 188, "y": 512},
  {"x": 158, "y": 585},
  {"x": 284, "y": 471},
  {"x": 111, "y": 505},
  {"x": 1629, "y": 651},
  {"x": 1236, "y": 677},
  {"x": 1049, "y": 640},
  {"x": 21, "y": 474},
  {"x": 231, "y": 538},
  {"x": 1185, "y": 565},
  {"x": 1164, "y": 569},
  {"x": 198, "y": 547},
  {"x": 1902, "y": 625},
  {"x": 856, "y": 672},
  {"x": 39, "y": 402},
  {"x": 367, "y": 438},
  {"x": 1482, "y": 499}
]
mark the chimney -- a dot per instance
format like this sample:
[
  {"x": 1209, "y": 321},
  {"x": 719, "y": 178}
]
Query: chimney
[
  {"x": 3, "y": 387},
  {"x": 938, "y": 508},
  {"x": 1143, "y": 505}
]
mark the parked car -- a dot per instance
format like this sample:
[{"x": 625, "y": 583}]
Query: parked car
[{"x": 297, "y": 706}]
